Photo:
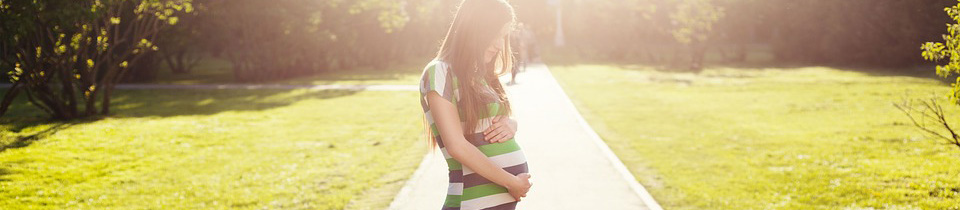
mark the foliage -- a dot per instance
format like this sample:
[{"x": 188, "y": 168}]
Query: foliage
[
  {"x": 267, "y": 40},
  {"x": 67, "y": 53},
  {"x": 181, "y": 44},
  {"x": 694, "y": 20},
  {"x": 825, "y": 32},
  {"x": 875, "y": 33},
  {"x": 948, "y": 50}
]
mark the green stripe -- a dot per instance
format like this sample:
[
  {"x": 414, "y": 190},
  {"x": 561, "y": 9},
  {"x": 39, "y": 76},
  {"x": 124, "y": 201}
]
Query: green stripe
[
  {"x": 433, "y": 76},
  {"x": 481, "y": 191},
  {"x": 434, "y": 130},
  {"x": 488, "y": 150},
  {"x": 454, "y": 164},
  {"x": 494, "y": 109},
  {"x": 499, "y": 148},
  {"x": 452, "y": 201}
]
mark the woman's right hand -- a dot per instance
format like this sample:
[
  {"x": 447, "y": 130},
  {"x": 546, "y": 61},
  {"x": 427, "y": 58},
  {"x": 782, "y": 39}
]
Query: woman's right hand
[{"x": 520, "y": 187}]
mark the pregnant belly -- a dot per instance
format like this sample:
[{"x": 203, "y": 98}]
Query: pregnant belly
[
  {"x": 479, "y": 192},
  {"x": 506, "y": 155}
]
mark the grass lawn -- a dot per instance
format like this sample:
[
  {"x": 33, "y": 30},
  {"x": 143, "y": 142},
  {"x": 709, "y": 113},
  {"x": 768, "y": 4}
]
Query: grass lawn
[
  {"x": 778, "y": 138},
  {"x": 215, "y": 149}
]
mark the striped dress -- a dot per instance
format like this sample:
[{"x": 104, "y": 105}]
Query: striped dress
[{"x": 468, "y": 190}]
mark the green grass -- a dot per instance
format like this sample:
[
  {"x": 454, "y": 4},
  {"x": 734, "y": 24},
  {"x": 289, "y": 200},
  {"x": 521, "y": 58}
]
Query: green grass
[
  {"x": 215, "y": 149},
  {"x": 799, "y": 138}
]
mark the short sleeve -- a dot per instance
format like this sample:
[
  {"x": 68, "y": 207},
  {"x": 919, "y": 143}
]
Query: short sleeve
[{"x": 437, "y": 77}]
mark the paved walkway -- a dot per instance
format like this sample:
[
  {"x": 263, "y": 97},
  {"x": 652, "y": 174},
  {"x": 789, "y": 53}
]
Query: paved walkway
[
  {"x": 571, "y": 167},
  {"x": 263, "y": 86}
]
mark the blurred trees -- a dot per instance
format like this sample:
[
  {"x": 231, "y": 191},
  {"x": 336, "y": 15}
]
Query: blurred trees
[
  {"x": 849, "y": 32},
  {"x": 67, "y": 53},
  {"x": 64, "y": 54},
  {"x": 879, "y": 33},
  {"x": 694, "y": 20},
  {"x": 267, "y": 40}
]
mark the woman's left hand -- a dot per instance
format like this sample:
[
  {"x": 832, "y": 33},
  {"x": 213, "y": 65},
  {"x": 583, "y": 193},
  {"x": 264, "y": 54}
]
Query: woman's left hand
[{"x": 501, "y": 130}]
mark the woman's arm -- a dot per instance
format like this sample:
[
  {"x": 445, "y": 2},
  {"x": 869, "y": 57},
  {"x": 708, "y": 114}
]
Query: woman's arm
[{"x": 448, "y": 122}]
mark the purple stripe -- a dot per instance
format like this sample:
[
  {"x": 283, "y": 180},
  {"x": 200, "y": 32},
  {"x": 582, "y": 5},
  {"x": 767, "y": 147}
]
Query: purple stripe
[
  {"x": 450, "y": 208},
  {"x": 456, "y": 176},
  {"x": 506, "y": 206},
  {"x": 439, "y": 141},
  {"x": 476, "y": 139},
  {"x": 475, "y": 179}
]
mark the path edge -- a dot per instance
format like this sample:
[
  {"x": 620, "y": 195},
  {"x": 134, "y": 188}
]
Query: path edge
[
  {"x": 398, "y": 200},
  {"x": 637, "y": 188}
]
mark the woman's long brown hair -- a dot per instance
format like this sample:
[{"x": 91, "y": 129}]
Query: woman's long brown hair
[{"x": 477, "y": 25}]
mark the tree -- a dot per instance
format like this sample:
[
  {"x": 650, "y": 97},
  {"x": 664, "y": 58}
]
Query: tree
[
  {"x": 67, "y": 53},
  {"x": 181, "y": 44},
  {"x": 948, "y": 50},
  {"x": 928, "y": 115},
  {"x": 267, "y": 40},
  {"x": 694, "y": 20}
]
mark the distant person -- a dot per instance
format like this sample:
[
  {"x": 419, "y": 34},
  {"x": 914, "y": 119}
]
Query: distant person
[
  {"x": 531, "y": 48},
  {"x": 466, "y": 107},
  {"x": 519, "y": 47}
]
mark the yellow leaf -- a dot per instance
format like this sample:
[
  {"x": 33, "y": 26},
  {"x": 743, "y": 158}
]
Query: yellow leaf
[{"x": 115, "y": 20}]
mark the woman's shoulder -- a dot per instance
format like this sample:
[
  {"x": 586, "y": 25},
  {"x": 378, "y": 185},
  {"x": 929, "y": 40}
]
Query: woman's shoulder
[
  {"x": 437, "y": 66},
  {"x": 437, "y": 77}
]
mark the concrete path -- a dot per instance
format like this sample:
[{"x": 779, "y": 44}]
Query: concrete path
[
  {"x": 263, "y": 86},
  {"x": 571, "y": 167}
]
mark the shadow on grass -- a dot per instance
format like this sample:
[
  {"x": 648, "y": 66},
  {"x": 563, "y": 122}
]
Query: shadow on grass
[
  {"x": 920, "y": 71},
  {"x": 3, "y": 175},
  {"x": 168, "y": 103},
  {"x": 759, "y": 57},
  {"x": 218, "y": 71},
  {"x": 153, "y": 103},
  {"x": 23, "y": 141}
]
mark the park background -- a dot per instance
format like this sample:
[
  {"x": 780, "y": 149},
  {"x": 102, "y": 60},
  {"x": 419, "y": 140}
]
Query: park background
[{"x": 711, "y": 104}]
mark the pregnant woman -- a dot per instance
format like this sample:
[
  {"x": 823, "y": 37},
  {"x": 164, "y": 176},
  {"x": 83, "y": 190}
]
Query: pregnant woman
[{"x": 468, "y": 112}]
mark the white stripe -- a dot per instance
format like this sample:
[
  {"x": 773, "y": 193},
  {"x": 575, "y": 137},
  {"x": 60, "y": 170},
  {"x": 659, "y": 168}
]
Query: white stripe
[
  {"x": 486, "y": 201},
  {"x": 445, "y": 154},
  {"x": 423, "y": 83},
  {"x": 455, "y": 189},
  {"x": 503, "y": 161},
  {"x": 440, "y": 77},
  {"x": 429, "y": 116}
]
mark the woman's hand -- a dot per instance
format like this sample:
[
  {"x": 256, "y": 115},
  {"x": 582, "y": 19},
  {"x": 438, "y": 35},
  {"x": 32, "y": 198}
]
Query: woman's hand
[
  {"x": 520, "y": 186},
  {"x": 501, "y": 130}
]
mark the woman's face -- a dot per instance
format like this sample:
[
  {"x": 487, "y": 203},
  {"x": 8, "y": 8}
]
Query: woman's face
[{"x": 497, "y": 44}]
